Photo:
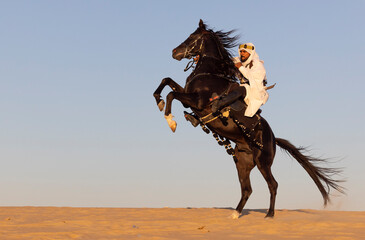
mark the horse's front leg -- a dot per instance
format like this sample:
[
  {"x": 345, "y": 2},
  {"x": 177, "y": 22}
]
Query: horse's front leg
[
  {"x": 192, "y": 100},
  {"x": 165, "y": 82}
]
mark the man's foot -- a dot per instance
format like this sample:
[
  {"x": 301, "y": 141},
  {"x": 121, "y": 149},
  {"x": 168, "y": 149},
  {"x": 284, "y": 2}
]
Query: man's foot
[
  {"x": 191, "y": 118},
  {"x": 215, "y": 100}
]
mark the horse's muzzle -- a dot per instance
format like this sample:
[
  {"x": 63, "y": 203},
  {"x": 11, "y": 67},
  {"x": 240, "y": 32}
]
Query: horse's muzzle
[{"x": 177, "y": 54}]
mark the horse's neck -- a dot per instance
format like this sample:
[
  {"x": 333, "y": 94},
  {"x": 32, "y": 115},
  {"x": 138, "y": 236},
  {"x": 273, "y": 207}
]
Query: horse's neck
[
  {"x": 215, "y": 58},
  {"x": 210, "y": 64},
  {"x": 211, "y": 61},
  {"x": 215, "y": 66},
  {"x": 206, "y": 66},
  {"x": 212, "y": 49}
]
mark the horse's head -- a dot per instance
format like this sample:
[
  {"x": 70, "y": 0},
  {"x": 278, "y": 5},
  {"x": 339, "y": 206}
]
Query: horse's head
[
  {"x": 192, "y": 46},
  {"x": 212, "y": 44}
]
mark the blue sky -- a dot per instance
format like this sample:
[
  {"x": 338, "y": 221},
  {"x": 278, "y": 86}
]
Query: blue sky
[{"x": 79, "y": 125}]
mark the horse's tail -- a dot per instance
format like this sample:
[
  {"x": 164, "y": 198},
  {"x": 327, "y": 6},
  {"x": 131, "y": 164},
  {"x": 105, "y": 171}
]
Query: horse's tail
[{"x": 322, "y": 176}]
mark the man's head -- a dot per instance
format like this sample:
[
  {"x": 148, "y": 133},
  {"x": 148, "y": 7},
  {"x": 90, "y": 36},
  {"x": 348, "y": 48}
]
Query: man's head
[
  {"x": 244, "y": 55},
  {"x": 246, "y": 51}
]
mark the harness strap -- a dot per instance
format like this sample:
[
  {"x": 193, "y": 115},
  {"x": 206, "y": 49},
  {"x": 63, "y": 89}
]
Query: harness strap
[
  {"x": 213, "y": 116},
  {"x": 211, "y": 74},
  {"x": 221, "y": 140},
  {"x": 224, "y": 141},
  {"x": 248, "y": 135},
  {"x": 227, "y": 145},
  {"x": 246, "y": 131}
]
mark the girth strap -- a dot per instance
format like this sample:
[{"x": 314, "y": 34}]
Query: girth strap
[{"x": 213, "y": 116}]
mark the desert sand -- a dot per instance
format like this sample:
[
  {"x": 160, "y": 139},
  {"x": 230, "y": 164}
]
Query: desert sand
[{"x": 41, "y": 223}]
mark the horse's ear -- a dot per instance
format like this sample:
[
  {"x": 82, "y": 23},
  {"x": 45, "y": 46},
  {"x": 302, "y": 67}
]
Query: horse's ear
[{"x": 201, "y": 24}]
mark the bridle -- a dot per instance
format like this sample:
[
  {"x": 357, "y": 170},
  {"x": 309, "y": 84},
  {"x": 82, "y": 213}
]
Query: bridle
[{"x": 188, "y": 55}]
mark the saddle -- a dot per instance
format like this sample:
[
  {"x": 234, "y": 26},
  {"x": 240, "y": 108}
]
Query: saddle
[
  {"x": 250, "y": 126},
  {"x": 235, "y": 111}
]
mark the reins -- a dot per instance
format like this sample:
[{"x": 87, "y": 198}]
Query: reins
[{"x": 189, "y": 65}]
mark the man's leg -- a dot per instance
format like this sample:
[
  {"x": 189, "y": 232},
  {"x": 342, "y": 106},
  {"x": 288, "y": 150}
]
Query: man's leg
[{"x": 233, "y": 96}]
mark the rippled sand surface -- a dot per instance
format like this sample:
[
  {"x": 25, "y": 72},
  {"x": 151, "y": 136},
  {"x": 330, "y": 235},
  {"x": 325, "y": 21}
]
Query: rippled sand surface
[{"x": 43, "y": 223}]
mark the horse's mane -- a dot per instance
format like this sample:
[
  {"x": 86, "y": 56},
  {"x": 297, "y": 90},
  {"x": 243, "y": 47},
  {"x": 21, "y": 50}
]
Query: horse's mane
[{"x": 225, "y": 42}]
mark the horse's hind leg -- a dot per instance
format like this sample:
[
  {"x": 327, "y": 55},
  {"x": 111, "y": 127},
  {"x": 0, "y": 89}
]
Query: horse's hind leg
[
  {"x": 244, "y": 166},
  {"x": 272, "y": 184},
  {"x": 165, "y": 82}
]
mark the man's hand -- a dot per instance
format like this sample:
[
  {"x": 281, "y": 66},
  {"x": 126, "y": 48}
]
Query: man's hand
[{"x": 238, "y": 65}]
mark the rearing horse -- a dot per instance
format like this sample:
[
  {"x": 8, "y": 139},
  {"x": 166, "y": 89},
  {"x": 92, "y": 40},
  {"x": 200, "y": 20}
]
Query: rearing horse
[{"x": 215, "y": 73}]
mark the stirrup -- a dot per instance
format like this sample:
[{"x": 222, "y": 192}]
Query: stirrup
[{"x": 191, "y": 118}]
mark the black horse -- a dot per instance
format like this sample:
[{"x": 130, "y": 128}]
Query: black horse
[{"x": 215, "y": 73}]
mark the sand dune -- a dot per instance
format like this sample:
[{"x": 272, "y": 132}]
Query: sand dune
[{"x": 40, "y": 223}]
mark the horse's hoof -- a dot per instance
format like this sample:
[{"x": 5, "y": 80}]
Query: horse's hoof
[
  {"x": 235, "y": 215},
  {"x": 269, "y": 215},
  {"x": 161, "y": 105},
  {"x": 173, "y": 126},
  {"x": 172, "y": 123}
]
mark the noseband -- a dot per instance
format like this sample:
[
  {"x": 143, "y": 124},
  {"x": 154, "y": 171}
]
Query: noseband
[{"x": 188, "y": 52}]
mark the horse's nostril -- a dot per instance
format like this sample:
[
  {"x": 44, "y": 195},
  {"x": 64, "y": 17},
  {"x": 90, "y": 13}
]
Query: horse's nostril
[{"x": 174, "y": 50}]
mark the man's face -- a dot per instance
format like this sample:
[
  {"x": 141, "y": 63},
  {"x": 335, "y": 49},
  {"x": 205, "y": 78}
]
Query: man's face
[{"x": 244, "y": 55}]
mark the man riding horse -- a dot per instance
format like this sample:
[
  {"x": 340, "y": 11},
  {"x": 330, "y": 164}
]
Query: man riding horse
[
  {"x": 252, "y": 89},
  {"x": 216, "y": 73}
]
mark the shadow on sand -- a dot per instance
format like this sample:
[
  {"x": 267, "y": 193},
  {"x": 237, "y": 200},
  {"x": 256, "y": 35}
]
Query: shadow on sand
[{"x": 246, "y": 212}]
